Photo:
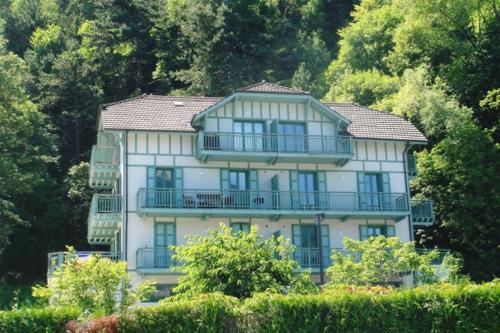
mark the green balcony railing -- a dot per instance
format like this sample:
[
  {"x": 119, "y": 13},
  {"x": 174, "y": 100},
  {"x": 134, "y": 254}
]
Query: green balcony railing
[
  {"x": 56, "y": 259},
  {"x": 271, "y": 200},
  {"x": 275, "y": 143},
  {"x": 154, "y": 258},
  {"x": 422, "y": 211},
  {"x": 105, "y": 156},
  {"x": 106, "y": 204},
  {"x": 357, "y": 256},
  {"x": 412, "y": 165}
]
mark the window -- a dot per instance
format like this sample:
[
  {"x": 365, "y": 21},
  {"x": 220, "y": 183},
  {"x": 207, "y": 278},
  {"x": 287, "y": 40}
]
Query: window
[
  {"x": 238, "y": 180},
  {"x": 161, "y": 185},
  {"x": 307, "y": 189},
  {"x": 306, "y": 244},
  {"x": 291, "y": 137},
  {"x": 367, "y": 231},
  {"x": 163, "y": 178},
  {"x": 240, "y": 227},
  {"x": 374, "y": 191},
  {"x": 248, "y": 135},
  {"x": 164, "y": 237}
]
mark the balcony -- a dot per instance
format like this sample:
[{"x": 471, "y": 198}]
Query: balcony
[
  {"x": 422, "y": 212},
  {"x": 412, "y": 166},
  {"x": 104, "y": 166},
  {"x": 273, "y": 148},
  {"x": 269, "y": 204},
  {"x": 104, "y": 218},
  {"x": 154, "y": 260},
  {"x": 56, "y": 259}
]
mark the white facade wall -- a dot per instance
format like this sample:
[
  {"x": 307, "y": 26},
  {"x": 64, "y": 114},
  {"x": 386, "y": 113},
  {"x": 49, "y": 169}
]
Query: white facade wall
[{"x": 177, "y": 150}]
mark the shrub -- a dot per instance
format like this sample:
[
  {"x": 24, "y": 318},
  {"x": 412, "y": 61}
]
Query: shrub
[
  {"x": 381, "y": 260},
  {"x": 96, "y": 285},
  {"x": 236, "y": 264},
  {"x": 209, "y": 313},
  {"x": 34, "y": 320},
  {"x": 107, "y": 324},
  {"x": 436, "y": 308}
]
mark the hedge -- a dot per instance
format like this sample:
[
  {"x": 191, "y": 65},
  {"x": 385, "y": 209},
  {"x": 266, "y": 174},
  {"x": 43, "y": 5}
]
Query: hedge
[
  {"x": 37, "y": 320},
  {"x": 466, "y": 308}
]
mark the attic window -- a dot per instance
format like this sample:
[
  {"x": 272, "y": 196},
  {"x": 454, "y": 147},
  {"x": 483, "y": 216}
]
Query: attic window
[{"x": 178, "y": 103}]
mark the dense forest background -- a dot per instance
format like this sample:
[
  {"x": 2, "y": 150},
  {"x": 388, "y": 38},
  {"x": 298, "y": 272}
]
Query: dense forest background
[{"x": 435, "y": 62}]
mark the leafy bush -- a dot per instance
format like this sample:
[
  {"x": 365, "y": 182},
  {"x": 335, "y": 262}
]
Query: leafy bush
[
  {"x": 37, "y": 320},
  {"x": 95, "y": 285},
  {"x": 236, "y": 264},
  {"x": 381, "y": 260},
  {"x": 107, "y": 324},
  {"x": 206, "y": 313},
  {"x": 436, "y": 308}
]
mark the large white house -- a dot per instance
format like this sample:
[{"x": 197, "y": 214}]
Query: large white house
[{"x": 165, "y": 167}]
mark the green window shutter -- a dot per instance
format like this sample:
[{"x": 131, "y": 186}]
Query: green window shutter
[
  {"x": 362, "y": 190},
  {"x": 164, "y": 237},
  {"x": 296, "y": 235},
  {"x": 294, "y": 187},
  {"x": 272, "y": 142},
  {"x": 275, "y": 188},
  {"x": 150, "y": 184},
  {"x": 390, "y": 231},
  {"x": 363, "y": 232},
  {"x": 322, "y": 195},
  {"x": 254, "y": 186},
  {"x": 179, "y": 185},
  {"x": 224, "y": 182},
  {"x": 325, "y": 244},
  {"x": 386, "y": 187}
]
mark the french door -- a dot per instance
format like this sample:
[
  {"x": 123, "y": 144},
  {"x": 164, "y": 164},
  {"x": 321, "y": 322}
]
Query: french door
[
  {"x": 307, "y": 189},
  {"x": 291, "y": 137},
  {"x": 248, "y": 136}
]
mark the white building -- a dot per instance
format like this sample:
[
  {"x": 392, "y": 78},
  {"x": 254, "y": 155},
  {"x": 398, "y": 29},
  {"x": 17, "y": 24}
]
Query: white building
[{"x": 266, "y": 155}]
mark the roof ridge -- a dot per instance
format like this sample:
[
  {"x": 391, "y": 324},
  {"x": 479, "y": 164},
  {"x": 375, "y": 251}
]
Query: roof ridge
[
  {"x": 183, "y": 96},
  {"x": 289, "y": 90},
  {"x": 105, "y": 105}
]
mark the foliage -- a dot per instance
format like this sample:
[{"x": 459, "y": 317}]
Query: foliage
[
  {"x": 15, "y": 296},
  {"x": 204, "y": 313},
  {"x": 435, "y": 308},
  {"x": 380, "y": 260},
  {"x": 37, "y": 320},
  {"x": 460, "y": 174},
  {"x": 236, "y": 264},
  {"x": 95, "y": 285}
]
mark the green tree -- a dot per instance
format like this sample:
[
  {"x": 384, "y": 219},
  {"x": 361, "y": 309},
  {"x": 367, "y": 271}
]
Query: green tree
[
  {"x": 460, "y": 174},
  {"x": 95, "y": 285},
  {"x": 380, "y": 260},
  {"x": 26, "y": 144},
  {"x": 236, "y": 264}
]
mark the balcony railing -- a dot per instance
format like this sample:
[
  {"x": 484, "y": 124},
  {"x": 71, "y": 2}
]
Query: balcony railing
[
  {"x": 104, "y": 155},
  {"x": 104, "y": 166},
  {"x": 422, "y": 211},
  {"x": 412, "y": 165},
  {"x": 106, "y": 204},
  {"x": 56, "y": 259},
  {"x": 154, "y": 258},
  {"x": 163, "y": 198},
  {"x": 104, "y": 217},
  {"x": 276, "y": 143},
  {"x": 357, "y": 256}
]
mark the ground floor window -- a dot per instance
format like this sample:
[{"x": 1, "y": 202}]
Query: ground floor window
[
  {"x": 240, "y": 226},
  {"x": 367, "y": 231}
]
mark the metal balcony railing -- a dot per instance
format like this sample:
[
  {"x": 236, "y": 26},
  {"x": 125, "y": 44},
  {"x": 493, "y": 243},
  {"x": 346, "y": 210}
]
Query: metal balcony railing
[
  {"x": 105, "y": 156},
  {"x": 106, "y": 203},
  {"x": 154, "y": 257},
  {"x": 422, "y": 211},
  {"x": 357, "y": 256},
  {"x": 56, "y": 259},
  {"x": 275, "y": 143},
  {"x": 412, "y": 165},
  {"x": 271, "y": 200}
]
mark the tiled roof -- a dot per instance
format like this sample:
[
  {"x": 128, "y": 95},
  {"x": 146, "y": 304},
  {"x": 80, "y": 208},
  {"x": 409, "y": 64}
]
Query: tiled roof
[
  {"x": 268, "y": 87},
  {"x": 155, "y": 113},
  {"x": 368, "y": 123},
  {"x": 173, "y": 113}
]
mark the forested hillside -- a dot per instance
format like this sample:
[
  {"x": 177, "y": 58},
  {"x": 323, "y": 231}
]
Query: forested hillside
[{"x": 435, "y": 62}]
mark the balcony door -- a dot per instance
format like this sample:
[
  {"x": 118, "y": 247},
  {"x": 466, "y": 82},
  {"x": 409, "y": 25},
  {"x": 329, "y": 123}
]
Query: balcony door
[
  {"x": 248, "y": 136},
  {"x": 291, "y": 137},
  {"x": 306, "y": 245},
  {"x": 307, "y": 190},
  {"x": 239, "y": 185},
  {"x": 374, "y": 191},
  {"x": 164, "y": 237},
  {"x": 160, "y": 187}
]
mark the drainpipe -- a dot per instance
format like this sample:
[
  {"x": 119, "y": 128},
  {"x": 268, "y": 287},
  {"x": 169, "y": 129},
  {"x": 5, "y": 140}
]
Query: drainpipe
[
  {"x": 407, "y": 186},
  {"x": 125, "y": 194}
]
